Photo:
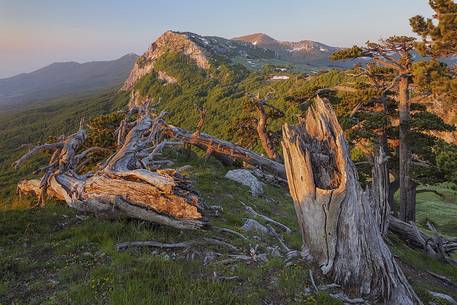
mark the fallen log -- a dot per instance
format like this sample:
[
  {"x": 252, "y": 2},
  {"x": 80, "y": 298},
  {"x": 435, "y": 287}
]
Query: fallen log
[
  {"x": 123, "y": 186},
  {"x": 436, "y": 246},
  {"x": 185, "y": 244},
  {"x": 224, "y": 149}
]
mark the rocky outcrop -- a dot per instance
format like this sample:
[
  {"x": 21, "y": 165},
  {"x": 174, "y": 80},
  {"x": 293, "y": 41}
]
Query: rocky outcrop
[
  {"x": 199, "y": 48},
  {"x": 169, "y": 42},
  {"x": 166, "y": 78},
  {"x": 254, "y": 226},
  {"x": 245, "y": 177}
]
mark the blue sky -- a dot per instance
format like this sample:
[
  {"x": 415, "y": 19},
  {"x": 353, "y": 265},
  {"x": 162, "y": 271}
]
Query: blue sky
[{"x": 35, "y": 33}]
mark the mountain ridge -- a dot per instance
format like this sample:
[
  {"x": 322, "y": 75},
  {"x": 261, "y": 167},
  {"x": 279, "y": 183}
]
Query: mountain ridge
[
  {"x": 303, "y": 51},
  {"x": 61, "y": 78},
  {"x": 245, "y": 50}
]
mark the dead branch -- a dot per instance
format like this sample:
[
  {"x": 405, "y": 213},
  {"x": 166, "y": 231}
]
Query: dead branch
[
  {"x": 186, "y": 244},
  {"x": 224, "y": 149},
  {"x": 201, "y": 121},
  {"x": 253, "y": 213},
  {"x": 230, "y": 232},
  {"x": 36, "y": 149},
  {"x": 121, "y": 187}
]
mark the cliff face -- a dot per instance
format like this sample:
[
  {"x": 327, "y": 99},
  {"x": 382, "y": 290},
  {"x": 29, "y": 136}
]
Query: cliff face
[{"x": 169, "y": 42}]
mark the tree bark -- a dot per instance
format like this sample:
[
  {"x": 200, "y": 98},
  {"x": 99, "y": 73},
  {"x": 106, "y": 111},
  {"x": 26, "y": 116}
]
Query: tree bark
[
  {"x": 339, "y": 227},
  {"x": 406, "y": 202},
  {"x": 262, "y": 131},
  {"x": 380, "y": 191},
  {"x": 393, "y": 188}
]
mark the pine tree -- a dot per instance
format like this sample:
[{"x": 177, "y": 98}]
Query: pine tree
[
  {"x": 439, "y": 34},
  {"x": 373, "y": 122},
  {"x": 395, "y": 53}
]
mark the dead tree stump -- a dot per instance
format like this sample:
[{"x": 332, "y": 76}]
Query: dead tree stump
[{"x": 339, "y": 228}]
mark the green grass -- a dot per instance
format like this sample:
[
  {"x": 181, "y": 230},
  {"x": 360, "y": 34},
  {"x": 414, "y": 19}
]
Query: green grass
[
  {"x": 417, "y": 264},
  {"x": 440, "y": 210},
  {"x": 48, "y": 256}
]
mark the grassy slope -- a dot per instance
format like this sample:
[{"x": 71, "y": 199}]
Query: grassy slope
[
  {"x": 49, "y": 256},
  {"x": 440, "y": 209},
  {"x": 36, "y": 123}
]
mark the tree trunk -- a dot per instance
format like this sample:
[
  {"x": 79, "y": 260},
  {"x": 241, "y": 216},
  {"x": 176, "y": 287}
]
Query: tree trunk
[
  {"x": 263, "y": 133},
  {"x": 380, "y": 191},
  {"x": 339, "y": 227},
  {"x": 393, "y": 188},
  {"x": 405, "y": 152},
  {"x": 411, "y": 204}
]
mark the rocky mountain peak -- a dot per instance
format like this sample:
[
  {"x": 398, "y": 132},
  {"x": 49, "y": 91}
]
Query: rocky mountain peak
[
  {"x": 199, "y": 48},
  {"x": 170, "y": 41}
]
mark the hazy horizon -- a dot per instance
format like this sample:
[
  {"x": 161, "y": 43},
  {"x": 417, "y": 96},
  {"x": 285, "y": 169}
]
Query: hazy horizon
[{"x": 33, "y": 35}]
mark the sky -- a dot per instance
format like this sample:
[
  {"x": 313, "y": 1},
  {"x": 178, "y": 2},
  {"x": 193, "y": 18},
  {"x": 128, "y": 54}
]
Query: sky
[{"x": 35, "y": 33}]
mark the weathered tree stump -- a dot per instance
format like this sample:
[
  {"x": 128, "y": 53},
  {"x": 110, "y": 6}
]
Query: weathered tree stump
[{"x": 340, "y": 230}]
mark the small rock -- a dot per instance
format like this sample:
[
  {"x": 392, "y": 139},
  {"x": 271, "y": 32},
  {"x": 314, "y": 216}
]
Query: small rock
[
  {"x": 252, "y": 225},
  {"x": 274, "y": 251},
  {"x": 443, "y": 296},
  {"x": 216, "y": 210},
  {"x": 245, "y": 177},
  {"x": 209, "y": 257},
  {"x": 81, "y": 217},
  {"x": 183, "y": 170}
]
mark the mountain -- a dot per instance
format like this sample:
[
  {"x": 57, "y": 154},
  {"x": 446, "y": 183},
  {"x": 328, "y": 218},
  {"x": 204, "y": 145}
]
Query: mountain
[
  {"x": 201, "y": 49},
  {"x": 300, "y": 52},
  {"x": 64, "y": 78},
  {"x": 253, "y": 51}
]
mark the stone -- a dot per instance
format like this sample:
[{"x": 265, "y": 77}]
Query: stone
[
  {"x": 252, "y": 225},
  {"x": 245, "y": 177}
]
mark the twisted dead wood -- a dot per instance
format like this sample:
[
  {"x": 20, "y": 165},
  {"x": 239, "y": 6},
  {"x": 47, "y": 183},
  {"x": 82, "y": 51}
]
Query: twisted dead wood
[
  {"x": 339, "y": 229},
  {"x": 124, "y": 185},
  {"x": 380, "y": 191}
]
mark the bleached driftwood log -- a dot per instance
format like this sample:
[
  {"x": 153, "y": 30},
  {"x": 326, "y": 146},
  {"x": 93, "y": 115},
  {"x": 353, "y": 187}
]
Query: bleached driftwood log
[
  {"x": 125, "y": 185},
  {"x": 339, "y": 229}
]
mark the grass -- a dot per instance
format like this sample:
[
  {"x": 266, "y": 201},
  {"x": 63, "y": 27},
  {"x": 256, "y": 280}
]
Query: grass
[
  {"x": 48, "y": 256},
  {"x": 441, "y": 209}
]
